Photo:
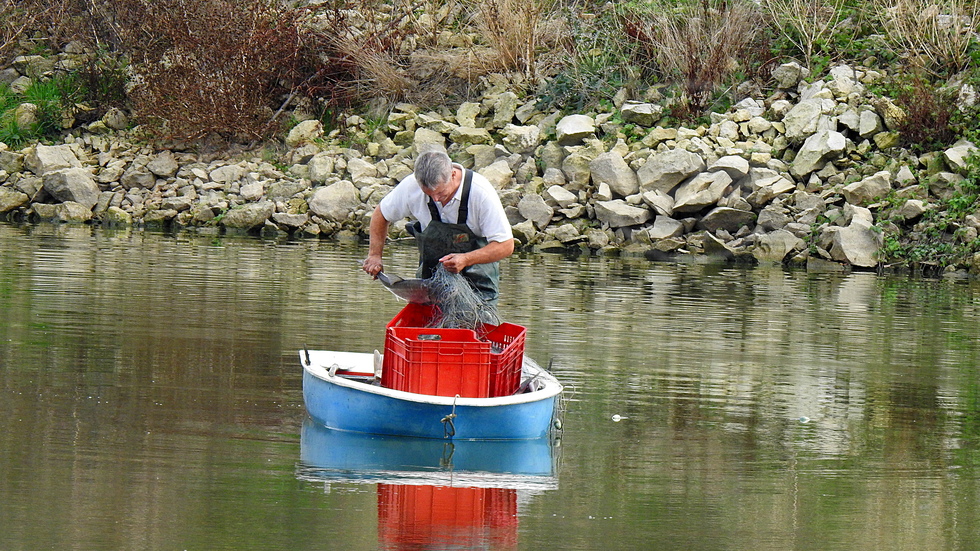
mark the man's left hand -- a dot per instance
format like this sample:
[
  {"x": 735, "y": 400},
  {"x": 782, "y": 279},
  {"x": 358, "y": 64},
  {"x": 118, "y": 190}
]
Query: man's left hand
[{"x": 455, "y": 262}]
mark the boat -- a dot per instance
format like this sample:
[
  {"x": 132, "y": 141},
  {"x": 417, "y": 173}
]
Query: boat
[{"x": 343, "y": 391}]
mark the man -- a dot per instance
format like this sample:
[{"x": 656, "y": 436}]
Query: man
[{"x": 460, "y": 223}]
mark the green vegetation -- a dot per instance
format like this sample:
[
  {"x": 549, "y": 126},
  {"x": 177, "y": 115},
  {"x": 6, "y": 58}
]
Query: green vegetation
[{"x": 249, "y": 70}]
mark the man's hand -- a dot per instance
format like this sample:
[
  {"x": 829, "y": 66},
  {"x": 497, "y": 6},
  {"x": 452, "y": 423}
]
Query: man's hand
[
  {"x": 455, "y": 262},
  {"x": 373, "y": 265}
]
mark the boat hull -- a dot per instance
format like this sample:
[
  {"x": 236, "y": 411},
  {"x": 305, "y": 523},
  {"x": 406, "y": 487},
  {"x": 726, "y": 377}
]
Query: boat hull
[{"x": 341, "y": 403}]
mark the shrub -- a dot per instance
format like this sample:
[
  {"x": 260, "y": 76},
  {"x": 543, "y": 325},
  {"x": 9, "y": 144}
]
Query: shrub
[
  {"x": 597, "y": 61},
  {"x": 936, "y": 36},
  {"x": 700, "y": 42},
  {"x": 205, "y": 66},
  {"x": 808, "y": 24},
  {"x": 929, "y": 113}
]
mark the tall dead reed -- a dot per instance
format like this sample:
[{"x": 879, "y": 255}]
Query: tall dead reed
[
  {"x": 936, "y": 35},
  {"x": 806, "y": 23},
  {"x": 701, "y": 42}
]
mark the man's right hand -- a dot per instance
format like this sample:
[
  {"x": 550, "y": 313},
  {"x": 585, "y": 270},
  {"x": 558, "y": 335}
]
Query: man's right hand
[{"x": 372, "y": 265}]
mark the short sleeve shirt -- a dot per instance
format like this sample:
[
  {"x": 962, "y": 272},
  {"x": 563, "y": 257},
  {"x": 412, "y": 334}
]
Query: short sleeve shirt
[{"x": 486, "y": 217}]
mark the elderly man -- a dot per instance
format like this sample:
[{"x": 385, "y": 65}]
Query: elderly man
[{"x": 460, "y": 223}]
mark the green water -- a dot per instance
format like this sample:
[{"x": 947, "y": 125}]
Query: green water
[{"x": 150, "y": 398}]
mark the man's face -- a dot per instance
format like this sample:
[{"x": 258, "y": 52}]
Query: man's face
[{"x": 444, "y": 191}]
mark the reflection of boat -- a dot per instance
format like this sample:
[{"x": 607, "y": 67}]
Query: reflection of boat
[
  {"x": 331, "y": 455},
  {"x": 434, "y": 494}
]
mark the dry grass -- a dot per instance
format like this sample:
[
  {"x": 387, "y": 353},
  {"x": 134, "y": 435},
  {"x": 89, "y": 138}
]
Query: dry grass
[
  {"x": 519, "y": 30},
  {"x": 702, "y": 42},
  {"x": 805, "y": 23},
  {"x": 937, "y": 36}
]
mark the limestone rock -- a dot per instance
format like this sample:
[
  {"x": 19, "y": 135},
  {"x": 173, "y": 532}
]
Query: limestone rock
[
  {"x": 572, "y": 129},
  {"x": 498, "y": 173},
  {"x": 304, "y": 132},
  {"x": 643, "y": 114},
  {"x": 789, "y": 75},
  {"x": 701, "y": 191},
  {"x": 534, "y": 209},
  {"x": 957, "y": 155},
  {"x": 869, "y": 189},
  {"x": 468, "y": 135},
  {"x": 774, "y": 246},
  {"x": 72, "y": 184},
  {"x": 618, "y": 213},
  {"x": 816, "y": 150},
  {"x": 46, "y": 158},
  {"x": 320, "y": 168},
  {"x": 249, "y": 216},
  {"x": 736, "y": 166},
  {"x": 664, "y": 170},
  {"x": 11, "y": 199},
  {"x": 801, "y": 121},
  {"x": 336, "y": 202},
  {"x": 726, "y": 218},
  {"x": 559, "y": 196},
  {"x": 665, "y": 227},
  {"x": 163, "y": 165},
  {"x": 521, "y": 139},
  {"x": 610, "y": 168},
  {"x": 856, "y": 245}
]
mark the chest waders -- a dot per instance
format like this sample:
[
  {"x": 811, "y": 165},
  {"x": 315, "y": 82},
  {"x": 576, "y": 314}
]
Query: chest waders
[{"x": 441, "y": 238}]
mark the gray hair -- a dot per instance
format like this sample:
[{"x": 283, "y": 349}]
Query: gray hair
[{"x": 433, "y": 168}]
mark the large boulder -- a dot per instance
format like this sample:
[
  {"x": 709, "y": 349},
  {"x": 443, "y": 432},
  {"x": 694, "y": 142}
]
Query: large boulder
[
  {"x": 572, "y": 129},
  {"x": 46, "y": 158},
  {"x": 664, "y": 170},
  {"x": 335, "y": 202},
  {"x": 816, "y": 150},
  {"x": 773, "y": 247},
  {"x": 618, "y": 213},
  {"x": 534, "y": 208},
  {"x": 11, "y": 199},
  {"x": 869, "y": 189},
  {"x": 249, "y": 216},
  {"x": 610, "y": 168},
  {"x": 72, "y": 184},
  {"x": 726, "y": 218},
  {"x": 703, "y": 190}
]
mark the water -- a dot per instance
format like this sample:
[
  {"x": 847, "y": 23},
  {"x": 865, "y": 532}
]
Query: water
[{"x": 150, "y": 398}]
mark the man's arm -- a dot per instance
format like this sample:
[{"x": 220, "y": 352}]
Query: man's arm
[
  {"x": 492, "y": 252},
  {"x": 373, "y": 264}
]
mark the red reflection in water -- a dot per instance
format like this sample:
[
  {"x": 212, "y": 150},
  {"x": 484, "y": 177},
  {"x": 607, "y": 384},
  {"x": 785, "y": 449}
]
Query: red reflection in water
[{"x": 433, "y": 517}]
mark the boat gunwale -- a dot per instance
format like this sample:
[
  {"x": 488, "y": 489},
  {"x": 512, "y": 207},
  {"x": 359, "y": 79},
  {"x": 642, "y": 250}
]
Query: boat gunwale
[{"x": 552, "y": 387}]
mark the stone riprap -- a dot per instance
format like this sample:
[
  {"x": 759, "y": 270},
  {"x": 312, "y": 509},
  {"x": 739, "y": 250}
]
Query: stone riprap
[{"x": 794, "y": 176}]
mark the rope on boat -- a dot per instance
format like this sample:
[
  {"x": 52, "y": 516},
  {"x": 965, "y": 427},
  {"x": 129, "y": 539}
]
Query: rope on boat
[{"x": 448, "y": 425}]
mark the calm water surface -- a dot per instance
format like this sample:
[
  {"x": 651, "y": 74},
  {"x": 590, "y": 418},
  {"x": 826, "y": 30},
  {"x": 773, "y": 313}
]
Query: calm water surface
[{"x": 150, "y": 398}]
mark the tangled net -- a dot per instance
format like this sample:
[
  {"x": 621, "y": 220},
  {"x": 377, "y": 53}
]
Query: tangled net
[{"x": 460, "y": 306}]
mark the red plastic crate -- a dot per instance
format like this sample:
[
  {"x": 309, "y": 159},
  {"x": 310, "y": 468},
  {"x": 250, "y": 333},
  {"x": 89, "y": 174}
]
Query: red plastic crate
[
  {"x": 439, "y": 362},
  {"x": 412, "y": 315},
  {"x": 506, "y": 357}
]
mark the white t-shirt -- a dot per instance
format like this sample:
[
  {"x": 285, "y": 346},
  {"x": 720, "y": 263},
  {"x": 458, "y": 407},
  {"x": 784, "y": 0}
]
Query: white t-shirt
[{"x": 486, "y": 215}]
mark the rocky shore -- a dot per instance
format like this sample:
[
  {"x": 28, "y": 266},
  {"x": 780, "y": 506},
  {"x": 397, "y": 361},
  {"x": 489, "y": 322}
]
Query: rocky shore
[{"x": 795, "y": 175}]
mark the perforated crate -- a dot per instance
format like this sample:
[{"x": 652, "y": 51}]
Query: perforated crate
[
  {"x": 440, "y": 362},
  {"x": 506, "y": 357}
]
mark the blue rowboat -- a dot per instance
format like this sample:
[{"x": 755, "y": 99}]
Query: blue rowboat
[{"x": 341, "y": 392}]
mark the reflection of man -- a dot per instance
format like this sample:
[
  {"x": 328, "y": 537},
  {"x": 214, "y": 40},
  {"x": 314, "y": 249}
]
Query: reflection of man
[{"x": 460, "y": 223}]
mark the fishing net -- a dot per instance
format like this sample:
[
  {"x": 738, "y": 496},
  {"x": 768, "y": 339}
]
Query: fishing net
[{"x": 460, "y": 307}]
